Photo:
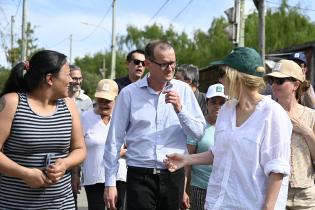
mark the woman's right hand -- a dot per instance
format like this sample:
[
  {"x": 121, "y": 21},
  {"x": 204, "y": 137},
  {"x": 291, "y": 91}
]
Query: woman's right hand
[
  {"x": 36, "y": 178},
  {"x": 174, "y": 161}
]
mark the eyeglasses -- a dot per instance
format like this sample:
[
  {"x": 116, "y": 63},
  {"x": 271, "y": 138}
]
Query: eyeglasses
[
  {"x": 220, "y": 101},
  {"x": 137, "y": 62},
  {"x": 279, "y": 81},
  {"x": 76, "y": 78},
  {"x": 164, "y": 66}
]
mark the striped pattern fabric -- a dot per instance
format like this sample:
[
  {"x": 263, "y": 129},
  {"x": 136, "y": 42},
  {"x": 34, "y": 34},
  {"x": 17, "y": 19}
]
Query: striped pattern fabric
[
  {"x": 198, "y": 197},
  {"x": 32, "y": 137}
]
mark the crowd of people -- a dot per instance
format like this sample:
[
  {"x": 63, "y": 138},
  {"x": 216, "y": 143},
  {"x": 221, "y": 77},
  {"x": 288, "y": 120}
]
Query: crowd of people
[{"x": 153, "y": 140}]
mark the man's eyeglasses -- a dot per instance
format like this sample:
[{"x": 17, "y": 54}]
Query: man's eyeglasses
[
  {"x": 164, "y": 66},
  {"x": 279, "y": 81},
  {"x": 137, "y": 62},
  {"x": 76, "y": 78}
]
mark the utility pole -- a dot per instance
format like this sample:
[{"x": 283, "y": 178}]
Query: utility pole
[
  {"x": 242, "y": 24},
  {"x": 234, "y": 18},
  {"x": 103, "y": 69},
  {"x": 12, "y": 38},
  {"x": 104, "y": 64},
  {"x": 12, "y": 32},
  {"x": 237, "y": 7},
  {"x": 262, "y": 37},
  {"x": 70, "y": 50},
  {"x": 24, "y": 25},
  {"x": 113, "y": 64}
]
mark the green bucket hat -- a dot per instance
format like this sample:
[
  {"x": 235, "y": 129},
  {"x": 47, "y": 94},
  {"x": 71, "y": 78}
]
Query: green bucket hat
[{"x": 245, "y": 60}]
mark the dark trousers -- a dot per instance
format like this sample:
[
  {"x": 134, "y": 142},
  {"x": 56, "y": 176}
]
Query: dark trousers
[
  {"x": 148, "y": 190},
  {"x": 121, "y": 192},
  {"x": 94, "y": 194},
  {"x": 75, "y": 197}
]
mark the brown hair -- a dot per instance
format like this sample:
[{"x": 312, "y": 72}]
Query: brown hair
[{"x": 150, "y": 47}]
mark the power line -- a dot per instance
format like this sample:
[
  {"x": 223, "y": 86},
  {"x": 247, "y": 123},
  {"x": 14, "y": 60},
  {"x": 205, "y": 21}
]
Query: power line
[
  {"x": 159, "y": 10},
  {"x": 96, "y": 27},
  {"x": 6, "y": 18},
  {"x": 297, "y": 7},
  {"x": 17, "y": 10},
  {"x": 180, "y": 12},
  {"x": 58, "y": 43}
]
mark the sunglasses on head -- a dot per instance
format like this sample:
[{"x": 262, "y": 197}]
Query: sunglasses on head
[
  {"x": 279, "y": 81},
  {"x": 137, "y": 62}
]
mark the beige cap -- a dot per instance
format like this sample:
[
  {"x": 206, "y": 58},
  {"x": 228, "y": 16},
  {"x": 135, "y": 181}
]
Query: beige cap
[
  {"x": 107, "y": 89},
  {"x": 287, "y": 68}
]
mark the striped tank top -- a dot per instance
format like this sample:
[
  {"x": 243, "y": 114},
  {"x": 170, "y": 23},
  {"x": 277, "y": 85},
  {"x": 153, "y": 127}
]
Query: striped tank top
[{"x": 32, "y": 137}]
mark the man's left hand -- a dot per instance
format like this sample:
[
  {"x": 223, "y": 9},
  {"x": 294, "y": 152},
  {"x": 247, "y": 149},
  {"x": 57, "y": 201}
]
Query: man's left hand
[{"x": 171, "y": 96}]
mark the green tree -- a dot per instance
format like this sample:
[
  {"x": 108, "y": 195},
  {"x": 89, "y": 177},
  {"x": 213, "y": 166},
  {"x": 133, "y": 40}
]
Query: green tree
[
  {"x": 14, "y": 55},
  {"x": 198, "y": 50},
  {"x": 91, "y": 67},
  {"x": 4, "y": 74},
  {"x": 285, "y": 27}
]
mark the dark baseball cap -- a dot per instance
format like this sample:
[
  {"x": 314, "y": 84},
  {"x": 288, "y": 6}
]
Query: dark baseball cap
[
  {"x": 299, "y": 56},
  {"x": 245, "y": 60}
]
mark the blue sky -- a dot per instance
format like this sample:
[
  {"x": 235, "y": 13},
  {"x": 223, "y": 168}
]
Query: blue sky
[{"x": 55, "y": 20}]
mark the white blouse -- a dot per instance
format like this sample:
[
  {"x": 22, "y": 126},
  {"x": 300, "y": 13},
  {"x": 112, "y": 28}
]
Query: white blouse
[
  {"x": 95, "y": 134},
  {"x": 244, "y": 156}
]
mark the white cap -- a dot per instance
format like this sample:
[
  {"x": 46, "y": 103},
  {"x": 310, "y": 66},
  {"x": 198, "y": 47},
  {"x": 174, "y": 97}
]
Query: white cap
[{"x": 216, "y": 90}]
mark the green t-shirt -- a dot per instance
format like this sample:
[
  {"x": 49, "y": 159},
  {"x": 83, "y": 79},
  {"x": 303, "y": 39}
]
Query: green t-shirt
[{"x": 200, "y": 173}]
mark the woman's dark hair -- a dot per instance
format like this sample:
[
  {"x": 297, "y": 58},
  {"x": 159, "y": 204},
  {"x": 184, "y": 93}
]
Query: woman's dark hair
[{"x": 27, "y": 77}]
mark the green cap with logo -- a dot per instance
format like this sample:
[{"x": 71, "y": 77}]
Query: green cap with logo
[{"x": 245, "y": 60}]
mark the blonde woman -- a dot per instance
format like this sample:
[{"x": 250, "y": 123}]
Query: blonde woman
[
  {"x": 251, "y": 152},
  {"x": 288, "y": 86}
]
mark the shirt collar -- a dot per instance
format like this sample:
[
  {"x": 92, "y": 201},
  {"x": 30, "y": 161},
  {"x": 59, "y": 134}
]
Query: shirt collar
[
  {"x": 80, "y": 96},
  {"x": 144, "y": 81}
]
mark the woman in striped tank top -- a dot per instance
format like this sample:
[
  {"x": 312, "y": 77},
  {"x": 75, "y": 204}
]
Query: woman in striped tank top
[{"x": 41, "y": 137}]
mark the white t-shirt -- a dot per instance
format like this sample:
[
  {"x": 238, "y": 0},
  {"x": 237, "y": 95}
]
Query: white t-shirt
[
  {"x": 95, "y": 134},
  {"x": 244, "y": 156}
]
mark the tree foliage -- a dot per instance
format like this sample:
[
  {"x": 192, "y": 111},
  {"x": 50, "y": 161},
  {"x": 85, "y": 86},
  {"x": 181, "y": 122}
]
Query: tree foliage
[
  {"x": 14, "y": 54},
  {"x": 92, "y": 67},
  {"x": 4, "y": 74},
  {"x": 285, "y": 26},
  {"x": 199, "y": 49}
]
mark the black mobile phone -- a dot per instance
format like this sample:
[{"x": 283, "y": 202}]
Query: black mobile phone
[{"x": 48, "y": 160}]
